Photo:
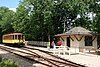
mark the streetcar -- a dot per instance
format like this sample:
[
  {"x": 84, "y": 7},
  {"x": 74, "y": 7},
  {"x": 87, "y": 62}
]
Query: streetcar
[{"x": 14, "y": 39}]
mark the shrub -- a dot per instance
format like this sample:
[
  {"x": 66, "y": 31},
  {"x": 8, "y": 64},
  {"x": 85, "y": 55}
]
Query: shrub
[
  {"x": 8, "y": 63},
  {"x": 98, "y": 53}
]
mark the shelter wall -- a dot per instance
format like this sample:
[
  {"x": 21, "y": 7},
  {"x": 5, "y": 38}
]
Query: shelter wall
[
  {"x": 64, "y": 40},
  {"x": 94, "y": 43},
  {"x": 74, "y": 42},
  {"x": 80, "y": 43}
]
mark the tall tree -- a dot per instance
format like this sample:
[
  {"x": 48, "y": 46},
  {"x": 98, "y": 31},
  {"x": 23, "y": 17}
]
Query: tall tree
[
  {"x": 50, "y": 17},
  {"x": 39, "y": 13},
  {"x": 95, "y": 9},
  {"x": 67, "y": 12},
  {"x": 6, "y": 20},
  {"x": 20, "y": 19}
]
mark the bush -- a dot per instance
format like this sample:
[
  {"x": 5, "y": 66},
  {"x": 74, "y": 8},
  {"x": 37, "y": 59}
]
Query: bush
[
  {"x": 8, "y": 63},
  {"x": 98, "y": 53}
]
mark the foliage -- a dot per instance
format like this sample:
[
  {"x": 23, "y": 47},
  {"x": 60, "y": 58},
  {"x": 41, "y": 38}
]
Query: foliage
[
  {"x": 39, "y": 19},
  {"x": 6, "y": 20},
  {"x": 47, "y": 17},
  {"x": 20, "y": 19},
  {"x": 8, "y": 63},
  {"x": 66, "y": 11}
]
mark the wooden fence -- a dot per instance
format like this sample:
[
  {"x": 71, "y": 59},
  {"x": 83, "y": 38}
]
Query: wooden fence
[{"x": 37, "y": 43}]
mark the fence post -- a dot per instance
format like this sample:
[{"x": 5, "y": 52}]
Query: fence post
[
  {"x": 48, "y": 45},
  {"x": 26, "y": 43},
  {"x": 84, "y": 50},
  {"x": 54, "y": 49},
  {"x": 69, "y": 52}
]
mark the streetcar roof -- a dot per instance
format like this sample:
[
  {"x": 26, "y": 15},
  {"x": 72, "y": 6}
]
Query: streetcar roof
[{"x": 13, "y": 34}]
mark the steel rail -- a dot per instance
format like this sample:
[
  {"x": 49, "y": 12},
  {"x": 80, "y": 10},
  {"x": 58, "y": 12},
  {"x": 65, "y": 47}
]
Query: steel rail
[
  {"x": 9, "y": 50},
  {"x": 65, "y": 61},
  {"x": 51, "y": 60}
]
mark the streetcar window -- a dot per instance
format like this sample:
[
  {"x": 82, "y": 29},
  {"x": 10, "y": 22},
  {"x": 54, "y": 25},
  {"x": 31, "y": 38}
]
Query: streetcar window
[
  {"x": 22, "y": 36},
  {"x": 19, "y": 36},
  {"x": 15, "y": 36}
]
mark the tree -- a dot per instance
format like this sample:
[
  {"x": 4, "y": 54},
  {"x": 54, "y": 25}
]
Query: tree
[
  {"x": 47, "y": 17},
  {"x": 66, "y": 13},
  {"x": 39, "y": 18},
  {"x": 96, "y": 19},
  {"x": 20, "y": 19},
  {"x": 6, "y": 20}
]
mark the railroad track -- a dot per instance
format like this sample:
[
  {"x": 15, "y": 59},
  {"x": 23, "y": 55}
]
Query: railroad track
[
  {"x": 31, "y": 54},
  {"x": 53, "y": 57}
]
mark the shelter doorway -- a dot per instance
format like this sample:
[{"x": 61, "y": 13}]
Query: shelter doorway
[{"x": 68, "y": 41}]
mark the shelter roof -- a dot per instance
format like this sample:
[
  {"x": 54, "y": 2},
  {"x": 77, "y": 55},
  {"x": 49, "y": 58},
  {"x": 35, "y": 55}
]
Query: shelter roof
[{"x": 77, "y": 31}]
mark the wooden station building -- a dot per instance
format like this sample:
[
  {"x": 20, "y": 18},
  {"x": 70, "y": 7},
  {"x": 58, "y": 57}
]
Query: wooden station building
[{"x": 79, "y": 38}]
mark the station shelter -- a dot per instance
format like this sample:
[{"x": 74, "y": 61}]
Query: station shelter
[{"x": 79, "y": 38}]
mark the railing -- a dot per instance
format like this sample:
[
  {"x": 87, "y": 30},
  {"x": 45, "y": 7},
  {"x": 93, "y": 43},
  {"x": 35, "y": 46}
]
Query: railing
[
  {"x": 36, "y": 43},
  {"x": 91, "y": 50},
  {"x": 60, "y": 50},
  {"x": 64, "y": 50}
]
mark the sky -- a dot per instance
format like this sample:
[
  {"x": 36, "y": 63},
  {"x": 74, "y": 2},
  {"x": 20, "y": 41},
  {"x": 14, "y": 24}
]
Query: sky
[{"x": 11, "y": 4}]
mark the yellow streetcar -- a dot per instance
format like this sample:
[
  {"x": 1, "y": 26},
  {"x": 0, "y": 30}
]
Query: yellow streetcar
[{"x": 14, "y": 39}]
